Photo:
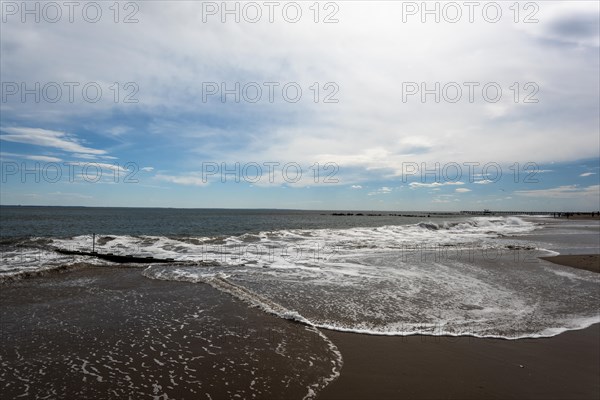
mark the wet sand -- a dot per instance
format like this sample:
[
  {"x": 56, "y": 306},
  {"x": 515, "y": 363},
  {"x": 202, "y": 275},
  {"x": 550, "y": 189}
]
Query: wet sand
[
  {"x": 566, "y": 366},
  {"x": 107, "y": 333}
]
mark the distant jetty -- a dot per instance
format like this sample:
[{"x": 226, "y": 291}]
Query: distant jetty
[
  {"x": 115, "y": 257},
  {"x": 360, "y": 214}
]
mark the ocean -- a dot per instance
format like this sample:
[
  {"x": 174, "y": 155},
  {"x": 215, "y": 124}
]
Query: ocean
[{"x": 377, "y": 273}]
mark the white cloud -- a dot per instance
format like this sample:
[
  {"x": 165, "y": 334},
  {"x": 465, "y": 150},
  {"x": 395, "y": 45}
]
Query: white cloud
[
  {"x": 444, "y": 198},
  {"x": 44, "y": 158},
  {"x": 483, "y": 182},
  {"x": 462, "y": 190},
  {"x": 118, "y": 130},
  {"x": 92, "y": 165},
  {"x": 147, "y": 169},
  {"x": 381, "y": 190},
  {"x": 47, "y": 138},
  {"x": 67, "y": 194},
  {"x": 85, "y": 156},
  {"x": 433, "y": 184},
  {"x": 188, "y": 180},
  {"x": 563, "y": 192},
  {"x": 33, "y": 157},
  {"x": 588, "y": 174},
  {"x": 356, "y": 187},
  {"x": 93, "y": 156}
]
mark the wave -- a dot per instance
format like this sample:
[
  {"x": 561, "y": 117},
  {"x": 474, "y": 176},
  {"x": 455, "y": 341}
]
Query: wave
[
  {"x": 282, "y": 248},
  {"x": 286, "y": 244},
  {"x": 487, "y": 222}
]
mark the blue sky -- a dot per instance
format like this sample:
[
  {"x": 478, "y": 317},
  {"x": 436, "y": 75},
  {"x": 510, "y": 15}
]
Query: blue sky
[{"x": 168, "y": 130}]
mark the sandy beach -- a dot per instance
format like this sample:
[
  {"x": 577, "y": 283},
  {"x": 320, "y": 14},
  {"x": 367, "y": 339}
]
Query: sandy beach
[
  {"x": 588, "y": 262},
  {"x": 566, "y": 366}
]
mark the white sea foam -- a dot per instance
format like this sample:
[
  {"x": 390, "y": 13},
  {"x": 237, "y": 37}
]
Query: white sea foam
[
  {"x": 444, "y": 300},
  {"x": 452, "y": 278},
  {"x": 288, "y": 248}
]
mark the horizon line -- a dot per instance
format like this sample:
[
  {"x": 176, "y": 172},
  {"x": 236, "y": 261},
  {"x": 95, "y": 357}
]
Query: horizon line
[{"x": 304, "y": 209}]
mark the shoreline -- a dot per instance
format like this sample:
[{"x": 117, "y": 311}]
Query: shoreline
[{"x": 565, "y": 366}]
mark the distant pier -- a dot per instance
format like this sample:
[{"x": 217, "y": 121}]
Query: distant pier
[
  {"x": 486, "y": 212},
  {"x": 427, "y": 214},
  {"x": 554, "y": 214}
]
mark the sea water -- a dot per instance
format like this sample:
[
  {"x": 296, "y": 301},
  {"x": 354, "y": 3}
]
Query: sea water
[{"x": 365, "y": 272}]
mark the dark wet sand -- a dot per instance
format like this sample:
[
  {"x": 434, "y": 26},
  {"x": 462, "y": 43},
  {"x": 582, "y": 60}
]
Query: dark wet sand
[
  {"x": 566, "y": 366},
  {"x": 110, "y": 333},
  {"x": 588, "y": 262}
]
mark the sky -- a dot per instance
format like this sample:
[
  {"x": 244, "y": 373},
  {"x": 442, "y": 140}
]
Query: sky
[{"x": 346, "y": 105}]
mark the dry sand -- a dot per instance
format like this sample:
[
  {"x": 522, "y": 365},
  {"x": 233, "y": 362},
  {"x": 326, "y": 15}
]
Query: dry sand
[
  {"x": 566, "y": 366},
  {"x": 589, "y": 262}
]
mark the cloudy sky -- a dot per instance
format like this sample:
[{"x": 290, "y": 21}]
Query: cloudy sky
[{"x": 330, "y": 105}]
